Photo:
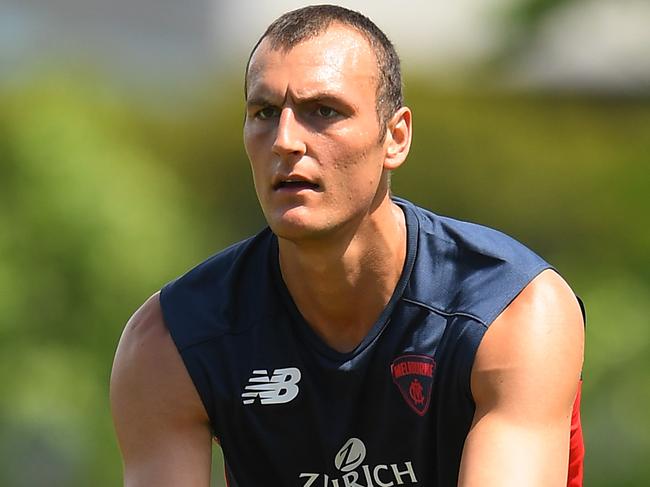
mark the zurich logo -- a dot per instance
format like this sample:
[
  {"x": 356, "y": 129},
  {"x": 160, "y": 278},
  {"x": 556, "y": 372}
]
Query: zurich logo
[
  {"x": 353, "y": 472},
  {"x": 351, "y": 455}
]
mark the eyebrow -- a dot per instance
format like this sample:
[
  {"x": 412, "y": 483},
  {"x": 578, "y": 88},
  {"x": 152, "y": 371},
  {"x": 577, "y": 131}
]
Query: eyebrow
[
  {"x": 322, "y": 97},
  {"x": 258, "y": 101}
]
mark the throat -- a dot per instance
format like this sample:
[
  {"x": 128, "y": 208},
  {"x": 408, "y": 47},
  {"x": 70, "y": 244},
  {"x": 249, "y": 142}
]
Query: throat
[
  {"x": 342, "y": 288},
  {"x": 342, "y": 308}
]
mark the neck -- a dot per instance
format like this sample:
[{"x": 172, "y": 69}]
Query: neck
[{"x": 341, "y": 284}]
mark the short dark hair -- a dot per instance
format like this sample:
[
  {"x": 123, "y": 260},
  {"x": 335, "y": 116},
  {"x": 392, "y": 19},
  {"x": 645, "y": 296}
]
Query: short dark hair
[{"x": 305, "y": 23}]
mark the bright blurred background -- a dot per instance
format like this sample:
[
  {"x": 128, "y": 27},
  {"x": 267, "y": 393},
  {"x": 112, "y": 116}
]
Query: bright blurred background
[{"x": 121, "y": 166}]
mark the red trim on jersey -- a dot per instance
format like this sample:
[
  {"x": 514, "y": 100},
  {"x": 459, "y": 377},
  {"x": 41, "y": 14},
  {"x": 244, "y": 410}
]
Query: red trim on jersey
[{"x": 576, "y": 446}]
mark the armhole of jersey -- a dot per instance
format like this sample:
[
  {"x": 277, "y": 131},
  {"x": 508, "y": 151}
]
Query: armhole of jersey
[
  {"x": 201, "y": 379},
  {"x": 485, "y": 325},
  {"x": 516, "y": 290},
  {"x": 583, "y": 310},
  {"x": 230, "y": 480},
  {"x": 576, "y": 445},
  {"x": 575, "y": 476},
  {"x": 575, "y": 471},
  {"x": 477, "y": 333},
  {"x": 198, "y": 373}
]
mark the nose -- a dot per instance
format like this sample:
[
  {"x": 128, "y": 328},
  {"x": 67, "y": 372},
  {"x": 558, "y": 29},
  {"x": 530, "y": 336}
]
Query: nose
[{"x": 289, "y": 136}]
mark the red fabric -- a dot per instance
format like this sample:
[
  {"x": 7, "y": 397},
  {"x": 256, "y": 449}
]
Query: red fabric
[{"x": 576, "y": 446}]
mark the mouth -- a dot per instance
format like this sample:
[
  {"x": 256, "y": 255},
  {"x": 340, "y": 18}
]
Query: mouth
[{"x": 295, "y": 184}]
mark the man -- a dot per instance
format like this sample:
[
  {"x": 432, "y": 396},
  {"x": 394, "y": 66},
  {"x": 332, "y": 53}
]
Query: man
[{"x": 360, "y": 340}]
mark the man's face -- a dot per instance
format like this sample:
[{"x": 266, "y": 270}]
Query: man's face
[{"x": 312, "y": 134}]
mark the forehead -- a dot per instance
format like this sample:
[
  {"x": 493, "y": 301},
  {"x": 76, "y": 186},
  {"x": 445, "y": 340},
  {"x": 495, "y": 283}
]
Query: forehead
[{"x": 338, "y": 60}]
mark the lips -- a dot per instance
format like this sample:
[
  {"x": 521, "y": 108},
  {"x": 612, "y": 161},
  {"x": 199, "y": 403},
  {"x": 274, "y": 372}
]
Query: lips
[{"x": 294, "y": 183}]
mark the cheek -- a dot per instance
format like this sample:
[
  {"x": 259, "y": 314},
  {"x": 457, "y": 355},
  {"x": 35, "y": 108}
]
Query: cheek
[
  {"x": 256, "y": 136},
  {"x": 358, "y": 173},
  {"x": 251, "y": 142},
  {"x": 358, "y": 150},
  {"x": 254, "y": 145}
]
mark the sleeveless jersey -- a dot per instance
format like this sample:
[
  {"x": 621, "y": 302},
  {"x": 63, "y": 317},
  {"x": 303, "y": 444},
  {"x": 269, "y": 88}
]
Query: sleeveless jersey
[{"x": 288, "y": 410}]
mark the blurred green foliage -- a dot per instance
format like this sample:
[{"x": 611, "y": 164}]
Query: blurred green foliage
[{"x": 103, "y": 200}]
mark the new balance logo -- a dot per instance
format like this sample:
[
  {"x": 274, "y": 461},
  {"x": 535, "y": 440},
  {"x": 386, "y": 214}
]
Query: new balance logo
[{"x": 278, "y": 388}]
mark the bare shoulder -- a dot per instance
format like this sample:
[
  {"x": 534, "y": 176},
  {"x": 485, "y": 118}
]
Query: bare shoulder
[
  {"x": 536, "y": 342},
  {"x": 148, "y": 366},
  {"x": 524, "y": 383},
  {"x": 547, "y": 296},
  {"x": 155, "y": 405}
]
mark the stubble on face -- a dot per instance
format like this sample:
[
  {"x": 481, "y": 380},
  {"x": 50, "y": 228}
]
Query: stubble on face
[{"x": 286, "y": 135}]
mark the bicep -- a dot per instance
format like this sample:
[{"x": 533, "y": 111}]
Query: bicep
[
  {"x": 524, "y": 382},
  {"x": 162, "y": 428}
]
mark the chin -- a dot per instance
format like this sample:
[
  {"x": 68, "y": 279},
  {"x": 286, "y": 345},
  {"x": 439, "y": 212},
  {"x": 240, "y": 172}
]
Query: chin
[
  {"x": 294, "y": 231},
  {"x": 297, "y": 227}
]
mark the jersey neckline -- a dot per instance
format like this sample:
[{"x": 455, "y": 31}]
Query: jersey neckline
[{"x": 305, "y": 330}]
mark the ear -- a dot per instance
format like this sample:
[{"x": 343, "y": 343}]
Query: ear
[{"x": 398, "y": 138}]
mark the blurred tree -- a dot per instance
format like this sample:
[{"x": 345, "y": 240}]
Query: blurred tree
[
  {"x": 101, "y": 202},
  {"x": 91, "y": 223},
  {"x": 521, "y": 22}
]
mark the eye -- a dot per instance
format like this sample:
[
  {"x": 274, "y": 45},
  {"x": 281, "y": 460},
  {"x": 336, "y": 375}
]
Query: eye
[
  {"x": 326, "y": 112},
  {"x": 267, "y": 113}
]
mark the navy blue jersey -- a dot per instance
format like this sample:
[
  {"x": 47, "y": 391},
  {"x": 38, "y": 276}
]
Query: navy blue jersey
[{"x": 289, "y": 410}]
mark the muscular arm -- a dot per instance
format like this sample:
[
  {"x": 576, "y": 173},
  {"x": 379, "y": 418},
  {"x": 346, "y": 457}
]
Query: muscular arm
[
  {"x": 524, "y": 382},
  {"x": 161, "y": 424}
]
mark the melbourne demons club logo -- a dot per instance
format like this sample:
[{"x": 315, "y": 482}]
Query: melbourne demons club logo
[{"x": 413, "y": 375}]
